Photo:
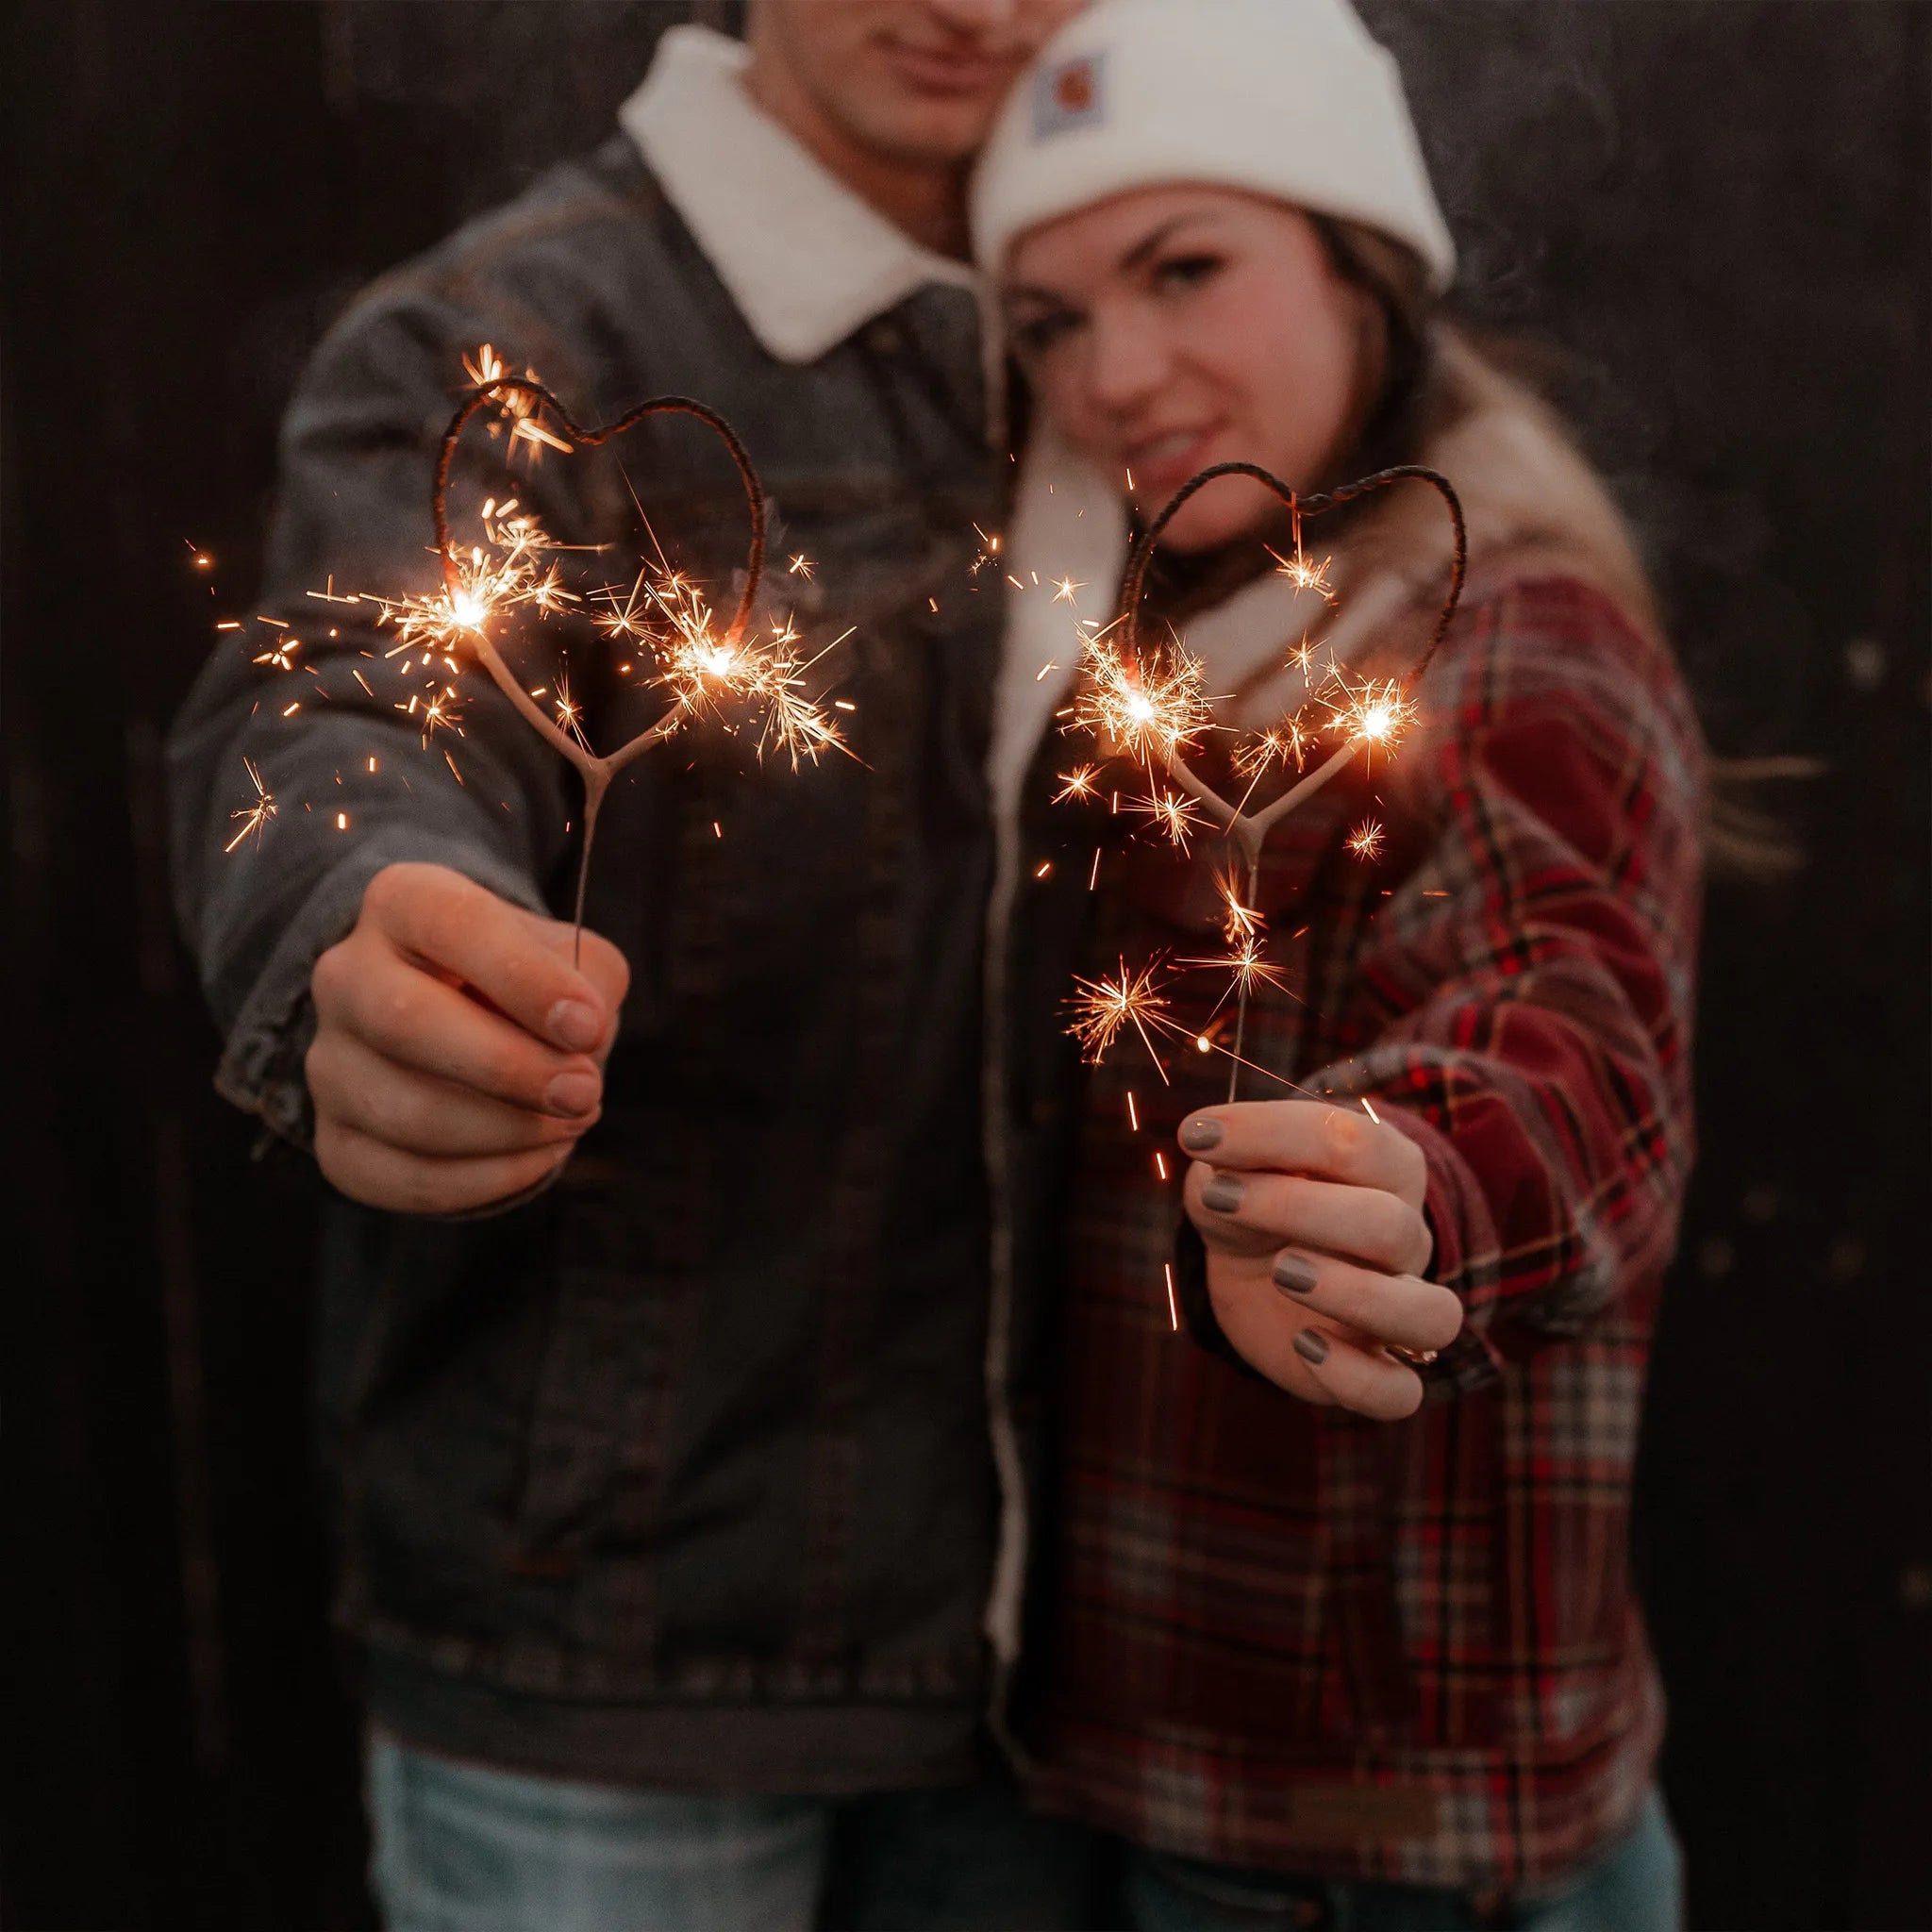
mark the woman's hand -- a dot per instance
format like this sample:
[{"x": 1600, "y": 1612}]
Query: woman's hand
[
  {"x": 1312, "y": 1216},
  {"x": 457, "y": 1052}
]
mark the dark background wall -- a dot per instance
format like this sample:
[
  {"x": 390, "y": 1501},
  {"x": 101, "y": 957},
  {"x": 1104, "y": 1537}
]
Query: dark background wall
[{"x": 1716, "y": 213}]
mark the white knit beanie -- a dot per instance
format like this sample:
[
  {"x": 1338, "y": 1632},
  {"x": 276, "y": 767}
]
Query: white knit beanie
[{"x": 1285, "y": 98}]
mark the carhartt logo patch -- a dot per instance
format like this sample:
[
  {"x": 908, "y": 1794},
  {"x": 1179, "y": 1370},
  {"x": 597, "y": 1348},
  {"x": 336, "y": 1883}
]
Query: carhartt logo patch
[{"x": 1071, "y": 94}]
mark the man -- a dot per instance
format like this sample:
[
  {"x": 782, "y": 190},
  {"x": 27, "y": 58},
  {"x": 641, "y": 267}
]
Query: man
[{"x": 669, "y": 1493}]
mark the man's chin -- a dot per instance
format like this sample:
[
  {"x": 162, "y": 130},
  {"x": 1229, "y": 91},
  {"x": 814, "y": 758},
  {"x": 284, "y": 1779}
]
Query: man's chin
[{"x": 928, "y": 134}]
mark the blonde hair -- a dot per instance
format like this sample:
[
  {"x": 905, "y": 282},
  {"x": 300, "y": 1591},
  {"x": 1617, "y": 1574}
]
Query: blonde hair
[{"x": 1435, "y": 373}]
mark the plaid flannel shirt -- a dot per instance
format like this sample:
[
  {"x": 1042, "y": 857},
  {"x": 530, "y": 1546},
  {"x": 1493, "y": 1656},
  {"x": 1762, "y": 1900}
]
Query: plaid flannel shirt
[{"x": 1287, "y": 1636}]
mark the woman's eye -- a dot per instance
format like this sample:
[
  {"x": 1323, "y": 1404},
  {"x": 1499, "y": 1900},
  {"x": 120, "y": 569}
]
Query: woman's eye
[
  {"x": 1034, "y": 334},
  {"x": 1186, "y": 271}
]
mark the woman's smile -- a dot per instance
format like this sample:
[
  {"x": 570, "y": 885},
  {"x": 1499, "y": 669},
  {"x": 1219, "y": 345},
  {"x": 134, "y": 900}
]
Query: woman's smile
[{"x": 1161, "y": 462}]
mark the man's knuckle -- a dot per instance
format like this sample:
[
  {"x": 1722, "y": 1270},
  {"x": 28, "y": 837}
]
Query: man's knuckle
[
  {"x": 508, "y": 1070},
  {"x": 398, "y": 1113},
  {"x": 400, "y": 1010},
  {"x": 327, "y": 979},
  {"x": 319, "y": 1065},
  {"x": 387, "y": 894}
]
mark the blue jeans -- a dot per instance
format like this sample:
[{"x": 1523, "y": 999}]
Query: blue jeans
[
  {"x": 1635, "y": 1887},
  {"x": 462, "y": 1848}
]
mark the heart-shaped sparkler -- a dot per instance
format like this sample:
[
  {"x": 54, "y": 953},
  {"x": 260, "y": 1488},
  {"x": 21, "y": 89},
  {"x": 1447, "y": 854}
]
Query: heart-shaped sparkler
[
  {"x": 1154, "y": 705},
  {"x": 699, "y": 665},
  {"x": 1249, "y": 829}
]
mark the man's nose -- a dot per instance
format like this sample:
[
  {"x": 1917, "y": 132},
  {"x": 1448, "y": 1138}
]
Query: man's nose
[{"x": 976, "y": 16}]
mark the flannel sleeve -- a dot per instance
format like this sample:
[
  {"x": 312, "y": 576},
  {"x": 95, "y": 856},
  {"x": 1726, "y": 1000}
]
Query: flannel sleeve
[{"x": 1525, "y": 999}]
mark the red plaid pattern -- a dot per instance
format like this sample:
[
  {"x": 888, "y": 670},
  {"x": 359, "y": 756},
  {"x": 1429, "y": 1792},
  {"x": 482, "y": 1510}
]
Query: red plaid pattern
[{"x": 1287, "y": 1636}]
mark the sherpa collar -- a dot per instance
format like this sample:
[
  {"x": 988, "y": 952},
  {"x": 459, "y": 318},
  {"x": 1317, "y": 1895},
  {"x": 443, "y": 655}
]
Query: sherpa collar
[{"x": 805, "y": 259}]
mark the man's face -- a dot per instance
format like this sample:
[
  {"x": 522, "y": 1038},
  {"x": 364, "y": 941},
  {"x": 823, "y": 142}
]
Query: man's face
[{"x": 911, "y": 80}]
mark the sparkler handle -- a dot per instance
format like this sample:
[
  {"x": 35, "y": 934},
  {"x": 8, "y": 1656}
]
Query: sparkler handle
[
  {"x": 595, "y": 785},
  {"x": 1240, "y": 1009}
]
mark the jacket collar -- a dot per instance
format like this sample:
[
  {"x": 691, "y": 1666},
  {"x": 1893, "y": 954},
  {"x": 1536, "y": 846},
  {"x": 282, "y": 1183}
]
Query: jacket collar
[{"x": 807, "y": 261}]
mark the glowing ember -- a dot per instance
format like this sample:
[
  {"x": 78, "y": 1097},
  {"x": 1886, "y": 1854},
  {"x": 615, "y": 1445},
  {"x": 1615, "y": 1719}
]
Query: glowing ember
[
  {"x": 1101, "y": 1008},
  {"x": 1302, "y": 575},
  {"x": 1172, "y": 814},
  {"x": 1376, "y": 714},
  {"x": 1078, "y": 783},
  {"x": 1365, "y": 842},
  {"x": 253, "y": 817},
  {"x": 1150, "y": 708}
]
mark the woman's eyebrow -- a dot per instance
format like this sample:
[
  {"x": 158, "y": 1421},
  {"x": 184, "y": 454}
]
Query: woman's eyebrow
[
  {"x": 1148, "y": 245},
  {"x": 1027, "y": 292},
  {"x": 1136, "y": 256}
]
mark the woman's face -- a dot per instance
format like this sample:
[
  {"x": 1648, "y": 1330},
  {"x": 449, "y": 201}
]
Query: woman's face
[{"x": 1175, "y": 327}]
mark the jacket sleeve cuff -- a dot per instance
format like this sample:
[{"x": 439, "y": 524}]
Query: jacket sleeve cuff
[
  {"x": 261, "y": 1065},
  {"x": 1464, "y": 1260}
]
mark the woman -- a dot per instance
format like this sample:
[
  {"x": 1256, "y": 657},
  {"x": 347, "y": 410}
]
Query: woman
[{"x": 1329, "y": 1620}]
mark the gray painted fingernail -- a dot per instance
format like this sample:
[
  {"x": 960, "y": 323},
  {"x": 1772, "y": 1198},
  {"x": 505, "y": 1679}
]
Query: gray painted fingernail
[
  {"x": 1311, "y": 1346},
  {"x": 1197, "y": 1136},
  {"x": 1295, "y": 1274},
  {"x": 1223, "y": 1193}
]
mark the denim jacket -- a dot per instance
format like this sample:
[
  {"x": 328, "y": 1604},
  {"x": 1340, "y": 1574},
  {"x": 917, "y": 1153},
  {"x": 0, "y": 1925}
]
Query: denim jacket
[{"x": 683, "y": 1472}]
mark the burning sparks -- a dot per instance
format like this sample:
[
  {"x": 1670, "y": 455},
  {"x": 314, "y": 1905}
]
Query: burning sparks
[
  {"x": 253, "y": 817},
  {"x": 281, "y": 652},
  {"x": 1244, "y": 961},
  {"x": 570, "y": 714},
  {"x": 1152, "y": 708},
  {"x": 512, "y": 573},
  {"x": 1365, "y": 842},
  {"x": 1238, "y": 922},
  {"x": 1101, "y": 1008},
  {"x": 1245, "y": 966},
  {"x": 1281, "y": 743},
  {"x": 517, "y": 409},
  {"x": 1172, "y": 814},
  {"x": 662, "y": 612},
  {"x": 435, "y": 711},
  {"x": 1078, "y": 783},
  {"x": 801, "y": 566},
  {"x": 1374, "y": 714},
  {"x": 702, "y": 669},
  {"x": 1302, "y": 575}
]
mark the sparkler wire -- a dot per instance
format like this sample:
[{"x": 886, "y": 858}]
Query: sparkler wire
[{"x": 596, "y": 771}]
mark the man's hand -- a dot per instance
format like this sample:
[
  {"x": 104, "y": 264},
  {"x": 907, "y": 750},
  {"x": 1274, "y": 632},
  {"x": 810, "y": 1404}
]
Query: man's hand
[
  {"x": 1316, "y": 1243},
  {"x": 457, "y": 1052}
]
